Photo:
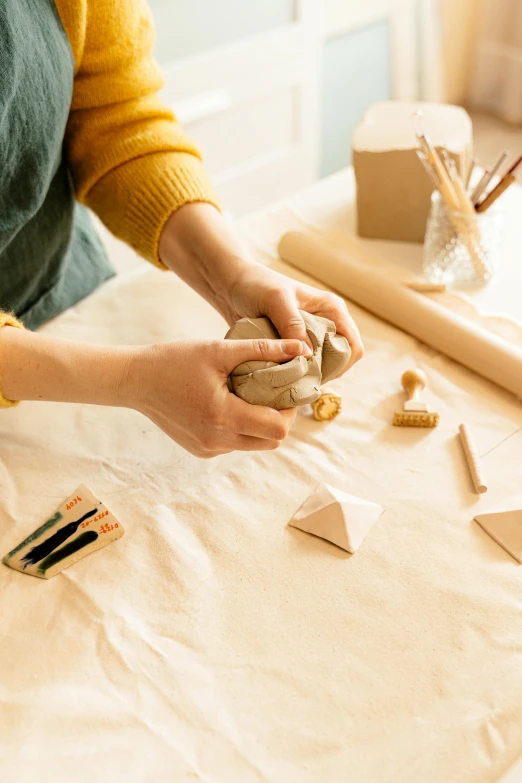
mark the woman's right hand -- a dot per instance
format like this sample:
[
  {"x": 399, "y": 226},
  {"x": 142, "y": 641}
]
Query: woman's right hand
[{"x": 182, "y": 388}]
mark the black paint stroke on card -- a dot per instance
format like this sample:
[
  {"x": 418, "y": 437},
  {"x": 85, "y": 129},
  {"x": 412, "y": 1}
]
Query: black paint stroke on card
[
  {"x": 83, "y": 540},
  {"x": 37, "y": 553},
  {"x": 37, "y": 533}
]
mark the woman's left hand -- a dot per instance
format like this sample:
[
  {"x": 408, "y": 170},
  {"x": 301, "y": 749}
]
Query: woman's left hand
[{"x": 259, "y": 291}]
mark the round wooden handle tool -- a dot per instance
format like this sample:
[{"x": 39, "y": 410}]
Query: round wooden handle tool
[{"x": 413, "y": 382}]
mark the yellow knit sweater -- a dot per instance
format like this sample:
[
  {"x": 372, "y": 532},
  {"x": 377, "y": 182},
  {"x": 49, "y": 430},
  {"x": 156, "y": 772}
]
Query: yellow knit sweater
[{"x": 130, "y": 161}]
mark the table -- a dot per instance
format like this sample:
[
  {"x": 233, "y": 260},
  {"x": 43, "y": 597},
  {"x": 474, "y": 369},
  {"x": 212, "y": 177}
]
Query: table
[{"x": 213, "y": 642}]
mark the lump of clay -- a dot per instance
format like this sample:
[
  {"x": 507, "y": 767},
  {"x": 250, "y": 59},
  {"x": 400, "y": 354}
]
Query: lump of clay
[{"x": 293, "y": 383}]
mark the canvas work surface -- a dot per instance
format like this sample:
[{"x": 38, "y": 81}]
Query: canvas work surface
[{"x": 216, "y": 642}]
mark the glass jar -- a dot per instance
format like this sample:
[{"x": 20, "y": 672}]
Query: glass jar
[{"x": 461, "y": 250}]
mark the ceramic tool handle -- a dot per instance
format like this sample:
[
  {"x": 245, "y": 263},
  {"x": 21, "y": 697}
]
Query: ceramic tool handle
[
  {"x": 420, "y": 316},
  {"x": 413, "y": 382}
]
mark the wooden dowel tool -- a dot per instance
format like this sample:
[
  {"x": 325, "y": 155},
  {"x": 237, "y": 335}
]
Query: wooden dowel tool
[{"x": 472, "y": 459}]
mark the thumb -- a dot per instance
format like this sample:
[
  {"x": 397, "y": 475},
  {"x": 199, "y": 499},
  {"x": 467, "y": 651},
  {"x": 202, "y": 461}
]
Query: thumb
[
  {"x": 238, "y": 351},
  {"x": 288, "y": 320}
]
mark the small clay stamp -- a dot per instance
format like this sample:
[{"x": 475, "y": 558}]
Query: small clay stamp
[{"x": 328, "y": 406}]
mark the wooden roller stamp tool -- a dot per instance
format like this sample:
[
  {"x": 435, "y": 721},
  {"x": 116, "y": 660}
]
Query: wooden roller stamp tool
[{"x": 415, "y": 412}]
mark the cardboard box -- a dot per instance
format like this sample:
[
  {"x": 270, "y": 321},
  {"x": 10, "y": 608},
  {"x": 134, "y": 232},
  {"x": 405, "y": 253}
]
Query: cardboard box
[{"x": 393, "y": 189}]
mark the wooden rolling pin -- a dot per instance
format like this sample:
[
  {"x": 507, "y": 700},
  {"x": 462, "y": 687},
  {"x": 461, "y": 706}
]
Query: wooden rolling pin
[{"x": 451, "y": 334}]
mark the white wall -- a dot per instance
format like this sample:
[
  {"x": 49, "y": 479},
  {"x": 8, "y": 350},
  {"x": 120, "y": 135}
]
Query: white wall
[
  {"x": 459, "y": 24},
  {"x": 257, "y": 82}
]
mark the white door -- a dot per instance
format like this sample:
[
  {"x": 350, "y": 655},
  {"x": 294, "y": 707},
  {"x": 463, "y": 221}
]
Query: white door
[{"x": 242, "y": 78}]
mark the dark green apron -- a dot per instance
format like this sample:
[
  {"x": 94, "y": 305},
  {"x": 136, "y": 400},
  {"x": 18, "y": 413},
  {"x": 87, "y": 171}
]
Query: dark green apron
[{"x": 50, "y": 255}]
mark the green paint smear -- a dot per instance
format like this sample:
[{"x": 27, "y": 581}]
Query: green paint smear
[
  {"x": 84, "y": 539},
  {"x": 37, "y": 533}
]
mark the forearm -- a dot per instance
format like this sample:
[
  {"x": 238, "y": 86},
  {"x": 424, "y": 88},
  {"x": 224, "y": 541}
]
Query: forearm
[
  {"x": 38, "y": 367},
  {"x": 198, "y": 245}
]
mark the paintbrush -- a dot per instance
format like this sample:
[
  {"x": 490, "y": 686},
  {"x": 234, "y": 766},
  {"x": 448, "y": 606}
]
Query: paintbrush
[
  {"x": 456, "y": 199},
  {"x": 453, "y": 193},
  {"x": 438, "y": 169},
  {"x": 435, "y": 181},
  {"x": 486, "y": 179},
  {"x": 478, "y": 187},
  {"x": 469, "y": 174},
  {"x": 463, "y": 200},
  {"x": 498, "y": 190}
]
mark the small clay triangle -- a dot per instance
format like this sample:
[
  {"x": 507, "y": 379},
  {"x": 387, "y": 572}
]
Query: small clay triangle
[{"x": 504, "y": 527}]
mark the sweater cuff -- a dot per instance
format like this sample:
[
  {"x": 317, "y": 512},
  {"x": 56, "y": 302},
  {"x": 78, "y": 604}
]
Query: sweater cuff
[
  {"x": 6, "y": 319},
  {"x": 137, "y": 198}
]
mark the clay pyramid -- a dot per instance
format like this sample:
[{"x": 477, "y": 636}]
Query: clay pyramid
[
  {"x": 337, "y": 516},
  {"x": 505, "y": 527}
]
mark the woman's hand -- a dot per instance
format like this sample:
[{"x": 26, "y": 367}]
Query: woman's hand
[
  {"x": 182, "y": 388},
  {"x": 261, "y": 291},
  {"x": 199, "y": 246}
]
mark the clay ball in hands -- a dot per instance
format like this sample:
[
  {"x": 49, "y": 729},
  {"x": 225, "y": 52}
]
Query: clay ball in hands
[{"x": 293, "y": 383}]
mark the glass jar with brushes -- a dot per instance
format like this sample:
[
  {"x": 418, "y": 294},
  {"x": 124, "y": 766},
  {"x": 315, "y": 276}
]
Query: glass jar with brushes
[
  {"x": 461, "y": 249},
  {"x": 463, "y": 236}
]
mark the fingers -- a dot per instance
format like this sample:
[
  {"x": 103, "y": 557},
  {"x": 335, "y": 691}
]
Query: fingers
[
  {"x": 349, "y": 330},
  {"x": 238, "y": 351},
  {"x": 237, "y": 443},
  {"x": 257, "y": 421},
  {"x": 284, "y": 314},
  {"x": 228, "y": 435},
  {"x": 334, "y": 307},
  {"x": 246, "y": 443}
]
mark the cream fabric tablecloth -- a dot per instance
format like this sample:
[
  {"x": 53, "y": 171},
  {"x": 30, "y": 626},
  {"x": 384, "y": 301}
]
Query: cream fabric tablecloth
[{"x": 213, "y": 642}]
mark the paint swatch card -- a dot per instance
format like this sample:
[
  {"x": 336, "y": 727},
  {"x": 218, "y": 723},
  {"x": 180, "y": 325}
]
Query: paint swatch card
[{"x": 81, "y": 525}]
